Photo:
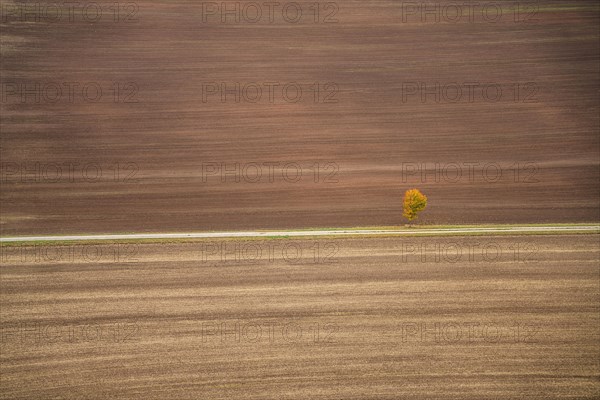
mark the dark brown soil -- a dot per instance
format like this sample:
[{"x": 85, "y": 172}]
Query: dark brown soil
[{"x": 372, "y": 135}]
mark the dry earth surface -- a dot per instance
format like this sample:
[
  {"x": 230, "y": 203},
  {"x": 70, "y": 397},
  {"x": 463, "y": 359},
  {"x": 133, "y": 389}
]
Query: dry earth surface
[
  {"x": 151, "y": 160},
  {"x": 508, "y": 317}
]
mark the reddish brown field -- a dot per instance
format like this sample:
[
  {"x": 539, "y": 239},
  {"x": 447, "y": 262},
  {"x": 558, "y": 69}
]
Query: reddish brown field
[
  {"x": 465, "y": 318},
  {"x": 161, "y": 131}
]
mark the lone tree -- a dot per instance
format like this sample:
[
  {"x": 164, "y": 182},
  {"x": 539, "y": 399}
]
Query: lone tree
[{"x": 414, "y": 202}]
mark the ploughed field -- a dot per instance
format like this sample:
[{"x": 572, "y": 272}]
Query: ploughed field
[
  {"x": 380, "y": 318},
  {"x": 160, "y": 117}
]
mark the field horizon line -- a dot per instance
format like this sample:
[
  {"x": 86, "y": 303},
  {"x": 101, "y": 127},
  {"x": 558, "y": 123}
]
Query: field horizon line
[{"x": 350, "y": 232}]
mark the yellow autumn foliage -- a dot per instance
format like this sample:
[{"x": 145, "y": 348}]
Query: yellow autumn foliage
[{"x": 414, "y": 202}]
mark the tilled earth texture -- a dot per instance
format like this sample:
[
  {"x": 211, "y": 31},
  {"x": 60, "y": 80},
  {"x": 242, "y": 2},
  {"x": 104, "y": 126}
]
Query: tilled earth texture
[
  {"x": 507, "y": 317},
  {"x": 186, "y": 115}
]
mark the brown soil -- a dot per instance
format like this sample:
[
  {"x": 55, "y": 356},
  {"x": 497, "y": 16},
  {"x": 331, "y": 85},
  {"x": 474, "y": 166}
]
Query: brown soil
[
  {"x": 170, "y": 133},
  {"x": 514, "y": 317}
]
